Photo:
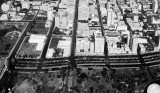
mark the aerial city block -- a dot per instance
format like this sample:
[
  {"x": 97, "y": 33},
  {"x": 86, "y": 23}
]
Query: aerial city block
[{"x": 79, "y": 46}]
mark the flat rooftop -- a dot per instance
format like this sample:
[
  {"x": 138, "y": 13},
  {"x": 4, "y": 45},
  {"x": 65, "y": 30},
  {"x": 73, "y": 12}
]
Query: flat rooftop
[
  {"x": 115, "y": 46},
  {"x": 86, "y": 46},
  {"x": 31, "y": 47},
  {"x": 59, "y": 47}
]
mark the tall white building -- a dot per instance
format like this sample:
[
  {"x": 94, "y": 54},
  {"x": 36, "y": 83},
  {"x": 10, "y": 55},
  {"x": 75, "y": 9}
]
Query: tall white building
[
  {"x": 136, "y": 18},
  {"x": 108, "y": 5},
  {"x": 25, "y": 5},
  {"x": 5, "y": 7},
  {"x": 57, "y": 20},
  {"x": 99, "y": 45},
  {"x": 50, "y": 15},
  {"x": 135, "y": 43},
  {"x": 110, "y": 17},
  {"x": 155, "y": 6}
]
